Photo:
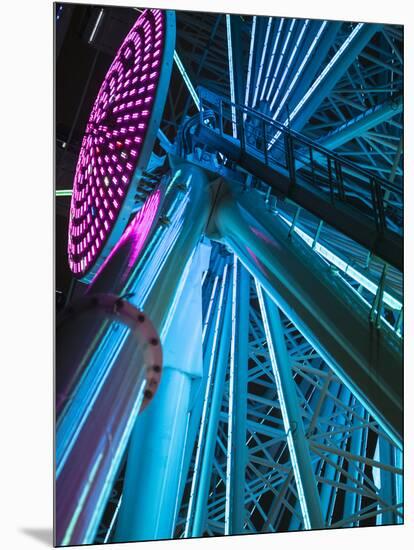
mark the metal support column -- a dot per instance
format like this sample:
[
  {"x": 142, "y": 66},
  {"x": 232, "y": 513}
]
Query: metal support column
[
  {"x": 351, "y": 497},
  {"x": 210, "y": 415},
  {"x": 155, "y": 457},
  {"x": 239, "y": 357},
  {"x": 291, "y": 413}
]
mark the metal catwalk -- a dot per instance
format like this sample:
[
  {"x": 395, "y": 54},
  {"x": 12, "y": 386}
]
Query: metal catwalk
[{"x": 235, "y": 362}]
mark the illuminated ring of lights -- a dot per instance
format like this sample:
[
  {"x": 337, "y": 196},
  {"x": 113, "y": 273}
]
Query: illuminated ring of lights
[{"x": 118, "y": 141}]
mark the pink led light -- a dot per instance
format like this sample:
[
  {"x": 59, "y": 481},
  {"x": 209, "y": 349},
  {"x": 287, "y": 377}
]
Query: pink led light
[
  {"x": 111, "y": 144},
  {"x": 135, "y": 235}
]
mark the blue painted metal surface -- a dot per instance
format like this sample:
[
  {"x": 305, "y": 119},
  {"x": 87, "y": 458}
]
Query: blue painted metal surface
[
  {"x": 211, "y": 456},
  {"x": 277, "y": 260},
  {"x": 156, "y": 454}
]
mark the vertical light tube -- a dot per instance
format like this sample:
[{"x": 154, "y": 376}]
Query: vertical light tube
[
  {"x": 350, "y": 500},
  {"x": 300, "y": 69},
  {"x": 231, "y": 73},
  {"x": 210, "y": 414},
  {"x": 289, "y": 63},
  {"x": 251, "y": 52},
  {"x": 237, "y": 416},
  {"x": 272, "y": 56},
  {"x": 279, "y": 63},
  {"x": 264, "y": 49},
  {"x": 319, "y": 79}
]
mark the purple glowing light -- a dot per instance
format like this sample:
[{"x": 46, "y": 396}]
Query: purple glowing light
[
  {"x": 113, "y": 140},
  {"x": 130, "y": 245}
]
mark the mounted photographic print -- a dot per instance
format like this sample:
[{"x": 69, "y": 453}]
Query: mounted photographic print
[{"x": 228, "y": 274}]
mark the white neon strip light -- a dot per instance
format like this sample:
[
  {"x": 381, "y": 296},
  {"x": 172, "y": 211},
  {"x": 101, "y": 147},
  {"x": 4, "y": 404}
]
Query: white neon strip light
[
  {"x": 100, "y": 505},
  {"x": 300, "y": 69},
  {"x": 249, "y": 70},
  {"x": 318, "y": 81},
  {"x": 205, "y": 405},
  {"x": 227, "y": 508},
  {"x": 344, "y": 267},
  {"x": 187, "y": 80},
  {"x": 272, "y": 56},
  {"x": 285, "y": 45},
  {"x": 289, "y": 63},
  {"x": 203, "y": 277},
  {"x": 210, "y": 305},
  {"x": 283, "y": 408},
  {"x": 177, "y": 296},
  {"x": 259, "y": 76},
  {"x": 89, "y": 388},
  {"x": 231, "y": 75},
  {"x": 111, "y": 525},
  {"x": 81, "y": 501},
  {"x": 95, "y": 28}
]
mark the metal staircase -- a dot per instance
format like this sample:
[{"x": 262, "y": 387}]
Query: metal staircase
[{"x": 363, "y": 206}]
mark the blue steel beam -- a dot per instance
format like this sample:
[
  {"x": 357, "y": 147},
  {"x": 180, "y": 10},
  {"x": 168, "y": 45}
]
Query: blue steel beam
[
  {"x": 210, "y": 433},
  {"x": 212, "y": 320},
  {"x": 359, "y": 125},
  {"x": 323, "y": 307},
  {"x": 352, "y": 499},
  {"x": 312, "y": 64},
  {"x": 292, "y": 418},
  {"x": 153, "y": 471},
  {"x": 331, "y": 74},
  {"x": 235, "y": 511},
  {"x": 210, "y": 414},
  {"x": 144, "y": 278}
]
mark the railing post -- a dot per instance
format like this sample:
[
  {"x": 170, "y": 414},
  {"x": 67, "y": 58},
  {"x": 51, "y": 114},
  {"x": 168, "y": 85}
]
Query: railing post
[
  {"x": 221, "y": 117},
  {"x": 380, "y": 202},
  {"x": 378, "y": 205},
  {"x": 240, "y": 120},
  {"x": 264, "y": 141},
  {"x": 339, "y": 180},
  {"x": 290, "y": 159},
  {"x": 312, "y": 164},
  {"x": 331, "y": 189}
]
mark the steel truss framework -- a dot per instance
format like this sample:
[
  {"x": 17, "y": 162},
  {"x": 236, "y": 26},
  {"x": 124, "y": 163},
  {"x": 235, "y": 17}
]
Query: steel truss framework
[
  {"x": 242, "y": 472},
  {"x": 357, "y": 110},
  {"x": 356, "y": 467},
  {"x": 252, "y": 436}
]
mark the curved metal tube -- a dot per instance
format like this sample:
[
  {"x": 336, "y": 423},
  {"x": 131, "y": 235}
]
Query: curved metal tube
[
  {"x": 97, "y": 403},
  {"x": 155, "y": 275},
  {"x": 151, "y": 278},
  {"x": 324, "y": 308}
]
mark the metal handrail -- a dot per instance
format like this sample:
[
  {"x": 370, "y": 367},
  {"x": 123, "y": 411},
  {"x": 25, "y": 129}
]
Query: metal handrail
[
  {"x": 374, "y": 187},
  {"x": 300, "y": 138}
]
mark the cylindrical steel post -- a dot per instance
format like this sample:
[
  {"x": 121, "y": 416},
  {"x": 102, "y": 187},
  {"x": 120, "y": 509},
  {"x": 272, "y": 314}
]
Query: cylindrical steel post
[
  {"x": 97, "y": 403},
  {"x": 235, "y": 510},
  {"x": 155, "y": 456},
  {"x": 151, "y": 278}
]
